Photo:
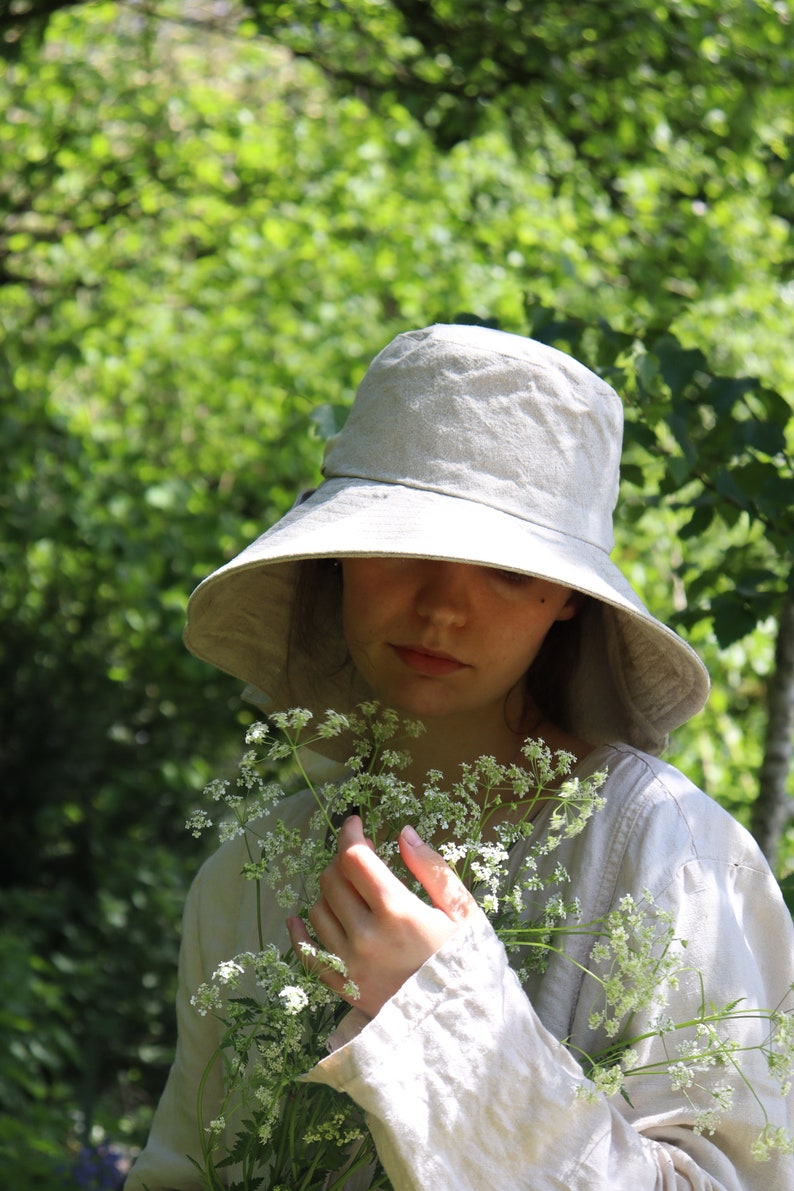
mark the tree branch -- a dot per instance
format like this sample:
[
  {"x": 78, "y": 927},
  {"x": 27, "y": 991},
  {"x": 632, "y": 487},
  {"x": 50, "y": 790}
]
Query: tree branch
[{"x": 774, "y": 809}]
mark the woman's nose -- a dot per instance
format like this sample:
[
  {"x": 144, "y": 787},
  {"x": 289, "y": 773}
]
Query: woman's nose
[{"x": 442, "y": 593}]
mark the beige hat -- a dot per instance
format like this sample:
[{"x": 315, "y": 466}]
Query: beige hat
[{"x": 477, "y": 446}]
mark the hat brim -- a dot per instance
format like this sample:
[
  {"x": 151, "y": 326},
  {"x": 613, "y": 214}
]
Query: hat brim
[{"x": 239, "y": 617}]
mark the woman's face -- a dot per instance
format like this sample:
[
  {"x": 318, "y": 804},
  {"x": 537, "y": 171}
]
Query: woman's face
[{"x": 445, "y": 638}]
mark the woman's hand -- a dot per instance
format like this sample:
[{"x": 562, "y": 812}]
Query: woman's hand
[{"x": 367, "y": 917}]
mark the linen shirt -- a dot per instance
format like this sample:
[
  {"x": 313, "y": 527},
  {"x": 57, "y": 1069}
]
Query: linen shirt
[{"x": 462, "y": 1073}]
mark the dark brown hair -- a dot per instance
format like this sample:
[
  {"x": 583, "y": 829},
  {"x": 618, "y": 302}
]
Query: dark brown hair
[
  {"x": 548, "y": 678},
  {"x": 316, "y": 620}
]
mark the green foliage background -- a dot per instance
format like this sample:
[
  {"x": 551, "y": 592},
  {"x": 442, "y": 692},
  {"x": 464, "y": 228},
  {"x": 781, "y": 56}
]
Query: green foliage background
[{"x": 211, "y": 220}]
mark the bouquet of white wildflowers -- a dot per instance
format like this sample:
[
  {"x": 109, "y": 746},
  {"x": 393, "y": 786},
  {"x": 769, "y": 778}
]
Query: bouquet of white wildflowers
[{"x": 276, "y": 1017}]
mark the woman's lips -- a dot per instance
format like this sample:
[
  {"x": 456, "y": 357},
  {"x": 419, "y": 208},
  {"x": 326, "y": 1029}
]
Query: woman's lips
[{"x": 435, "y": 665}]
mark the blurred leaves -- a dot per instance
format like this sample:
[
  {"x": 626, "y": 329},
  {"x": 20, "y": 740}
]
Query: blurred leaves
[{"x": 714, "y": 452}]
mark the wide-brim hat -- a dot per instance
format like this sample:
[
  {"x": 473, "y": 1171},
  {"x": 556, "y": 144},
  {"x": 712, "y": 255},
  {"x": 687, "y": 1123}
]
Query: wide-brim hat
[{"x": 469, "y": 445}]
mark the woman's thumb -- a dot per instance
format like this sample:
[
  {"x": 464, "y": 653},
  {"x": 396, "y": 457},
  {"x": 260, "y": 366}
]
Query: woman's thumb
[{"x": 447, "y": 891}]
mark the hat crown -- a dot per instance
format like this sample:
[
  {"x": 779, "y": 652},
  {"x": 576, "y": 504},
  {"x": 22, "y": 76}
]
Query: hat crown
[{"x": 492, "y": 418}]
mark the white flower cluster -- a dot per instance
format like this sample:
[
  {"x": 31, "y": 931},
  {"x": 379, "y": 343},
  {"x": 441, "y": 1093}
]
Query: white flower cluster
[
  {"x": 295, "y": 999},
  {"x": 772, "y": 1137},
  {"x": 197, "y": 822},
  {"x": 277, "y": 1012},
  {"x": 336, "y": 1126},
  {"x": 635, "y": 961},
  {"x": 780, "y": 1052}
]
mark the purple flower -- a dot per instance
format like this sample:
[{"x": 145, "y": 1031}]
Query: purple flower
[{"x": 99, "y": 1168}]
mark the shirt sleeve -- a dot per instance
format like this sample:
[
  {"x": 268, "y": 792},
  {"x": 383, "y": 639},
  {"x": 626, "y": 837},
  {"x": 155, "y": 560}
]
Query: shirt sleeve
[{"x": 464, "y": 1087}]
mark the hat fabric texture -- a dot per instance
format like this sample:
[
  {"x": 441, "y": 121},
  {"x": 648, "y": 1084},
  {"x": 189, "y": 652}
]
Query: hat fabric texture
[{"x": 470, "y": 445}]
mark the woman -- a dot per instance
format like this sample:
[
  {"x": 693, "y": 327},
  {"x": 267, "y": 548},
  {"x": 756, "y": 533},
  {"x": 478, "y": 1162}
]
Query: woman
[{"x": 466, "y": 511}]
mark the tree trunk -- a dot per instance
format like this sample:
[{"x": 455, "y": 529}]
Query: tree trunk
[{"x": 774, "y": 808}]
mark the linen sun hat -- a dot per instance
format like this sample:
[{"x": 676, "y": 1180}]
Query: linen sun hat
[{"x": 470, "y": 445}]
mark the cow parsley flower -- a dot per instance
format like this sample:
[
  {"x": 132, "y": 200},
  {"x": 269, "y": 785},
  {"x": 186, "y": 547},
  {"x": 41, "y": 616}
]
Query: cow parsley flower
[
  {"x": 207, "y": 999},
  {"x": 257, "y": 733},
  {"x": 197, "y": 822},
  {"x": 216, "y": 1126},
  {"x": 498, "y": 826},
  {"x": 295, "y": 999},
  {"x": 228, "y": 972}
]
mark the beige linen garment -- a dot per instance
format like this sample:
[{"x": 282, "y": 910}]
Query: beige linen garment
[{"x": 464, "y": 1081}]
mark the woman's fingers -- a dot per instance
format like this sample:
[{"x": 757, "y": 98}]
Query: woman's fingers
[
  {"x": 358, "y": 865},
  {"x": 341, "y": 917},
  {"x": 447, "y": 891},
  {"x": 374, "y": 882},
  {"x": 304, "y": 945},
  {"x": 377, "y": 927},
  {"x": 339, "y": 896}
]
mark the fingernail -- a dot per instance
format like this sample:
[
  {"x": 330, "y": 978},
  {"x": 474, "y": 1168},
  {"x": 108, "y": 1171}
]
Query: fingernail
[{"x": 411, "y": 837}]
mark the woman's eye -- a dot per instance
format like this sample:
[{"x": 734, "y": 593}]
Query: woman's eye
[{"x": 513, "y": 578}]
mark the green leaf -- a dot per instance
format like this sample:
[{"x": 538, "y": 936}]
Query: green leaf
[
  {"x": 678, "y": 365},
  {"x": 735, "y": 614},
  {"x": 768, "y": 437},
  {"x": 329, "y": 419},
  {"x": 726, "y": 485},
  {"x": 698, "y": 523},
  {"x": 787, "y": 889}
]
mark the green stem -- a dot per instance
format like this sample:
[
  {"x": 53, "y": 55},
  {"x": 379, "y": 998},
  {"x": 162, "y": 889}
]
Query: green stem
[{"x": 323, "y": 807}]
